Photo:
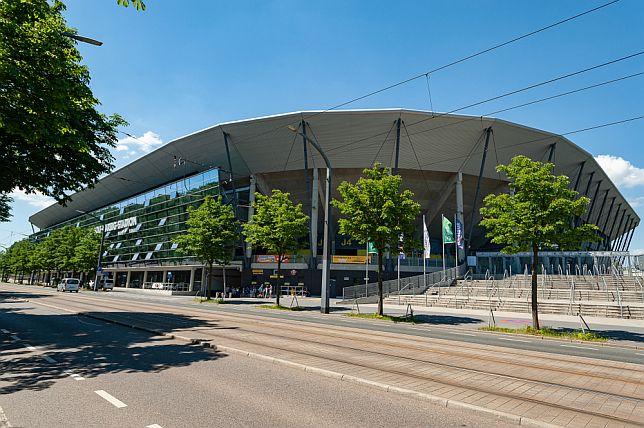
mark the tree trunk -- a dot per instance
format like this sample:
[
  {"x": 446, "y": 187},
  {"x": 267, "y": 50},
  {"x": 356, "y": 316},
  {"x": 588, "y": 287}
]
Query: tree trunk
[
  {"x": 380, "y": 298},
  {"x": 208, "y": 282},
  {"x": 224, "y": 273},
  {"x": 278, "y": 288},
  {"x": 535, "y": 263}
]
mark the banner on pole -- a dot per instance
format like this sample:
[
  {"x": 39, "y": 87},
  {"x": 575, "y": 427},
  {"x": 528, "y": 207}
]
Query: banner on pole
[
  {"x": 448, "y": 231},
  {"x": 426, "y": 244},
  {"x": 460, "y": 241},
  {"x": 371, "y": 248}
]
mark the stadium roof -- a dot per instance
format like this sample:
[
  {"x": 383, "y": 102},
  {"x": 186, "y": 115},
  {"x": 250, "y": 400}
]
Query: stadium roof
[{"x": 351, "y": 139}]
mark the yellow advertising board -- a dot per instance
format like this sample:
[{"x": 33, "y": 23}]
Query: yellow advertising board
[{"x": 349, "y": 259}]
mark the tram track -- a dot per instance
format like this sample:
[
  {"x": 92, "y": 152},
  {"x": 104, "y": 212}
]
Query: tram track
[{"x": 274, "y": 331}]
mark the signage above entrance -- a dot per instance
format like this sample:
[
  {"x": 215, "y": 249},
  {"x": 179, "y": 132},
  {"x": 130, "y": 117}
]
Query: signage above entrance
[{"x": 117, "y": 225}]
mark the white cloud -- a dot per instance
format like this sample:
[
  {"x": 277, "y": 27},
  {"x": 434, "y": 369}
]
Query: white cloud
[
  {"x": 34, "y": 199},
  {"x": 636, "y": 202},
  {"x": 138, "y": 145},
  {"x": 622, "y": 172}
]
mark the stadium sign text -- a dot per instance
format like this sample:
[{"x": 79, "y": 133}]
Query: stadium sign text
[{"x": 117, "y": 225}]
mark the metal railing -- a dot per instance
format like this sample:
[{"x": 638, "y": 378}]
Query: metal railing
[{"x": 415, "y": 284}]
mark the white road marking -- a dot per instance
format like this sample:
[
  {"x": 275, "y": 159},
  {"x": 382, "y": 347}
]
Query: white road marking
[
  {"x": 5, "y": 331},
  {"x": 116, "y": 402},
  {"x": 31, "y": 348},
  {"x": 515, "y": 340},
  {"x": 463, "y": 334},
  {"x": 74, "y": 375},
  {"x": 578, "y": 347},
  {"x": 16, "y": 338},
  {"x": 639, "y": 354},
  {"x": 154, "y": 426},
  {"x": 49, "y": 359}
]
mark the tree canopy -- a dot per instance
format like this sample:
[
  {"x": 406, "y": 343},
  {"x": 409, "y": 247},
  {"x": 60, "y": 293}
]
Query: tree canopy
[
  {"x": 276, "y": 226},
  {"x": 53, "y": 139},
  {"x": 375, "y": 209},
  {"x": 211, "y": 236},
  {"x": 538, "y": 214}
]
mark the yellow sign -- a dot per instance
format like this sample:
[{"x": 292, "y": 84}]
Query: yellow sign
[
  {"x": 349, "y": 259},
  {"x": 258, "y": 271}
]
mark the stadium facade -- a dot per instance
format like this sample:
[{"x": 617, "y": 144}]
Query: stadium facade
[{"x": 448, "y": 161}]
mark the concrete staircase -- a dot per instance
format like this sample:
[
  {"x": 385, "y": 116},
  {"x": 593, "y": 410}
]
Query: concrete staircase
[{"x": 618, "y": 296}]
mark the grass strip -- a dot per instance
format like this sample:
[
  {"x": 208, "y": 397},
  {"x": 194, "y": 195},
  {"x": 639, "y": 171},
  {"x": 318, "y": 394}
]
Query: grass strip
[
  {"x": 551, "y": 332},
  {"x": 281, "y": 308},
  {"x": 211, "y": 301},
  {"x": 411, "y": 320}
]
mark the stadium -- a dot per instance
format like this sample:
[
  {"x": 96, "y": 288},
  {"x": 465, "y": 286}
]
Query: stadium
[{"x": 447, "y": 161}]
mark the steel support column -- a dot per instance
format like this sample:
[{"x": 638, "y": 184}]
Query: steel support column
[
  {"x": 307, "y": 185},
  {"x": 610, "y": 244},
  {"x": 459, "y": 211},
  {"x": 592, "y": 202},
  {"x": 230, "y": 171},
  {"x": 395, "y": 171},
  {"x": 581, "y": 170},
  {"x": 488, "y": 131},
  {"x": 251, "y": 211},
  {"x": 590, "y": 180},
  {"x": 551, "y": 155},
  {"x": 628, "y": 245},
  {"x": 622, "y": 236},
  {"x": 603, "y": 229},
  {"x": 314, "y": 218}
]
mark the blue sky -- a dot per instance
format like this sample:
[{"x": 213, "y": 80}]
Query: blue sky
[{"x": 182, "y": 66}]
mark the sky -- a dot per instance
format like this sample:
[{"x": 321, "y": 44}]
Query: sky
[{"x": 179, "y": 67}]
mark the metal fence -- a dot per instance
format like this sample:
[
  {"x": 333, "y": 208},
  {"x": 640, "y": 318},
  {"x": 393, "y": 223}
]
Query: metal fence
[{"x": 411, "y": 285}]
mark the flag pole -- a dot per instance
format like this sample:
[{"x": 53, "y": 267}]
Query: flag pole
[
  {"x": 424, "y": 261},
  {"x": 443, "y": 239},
  {"x": 455, "y": 243}
]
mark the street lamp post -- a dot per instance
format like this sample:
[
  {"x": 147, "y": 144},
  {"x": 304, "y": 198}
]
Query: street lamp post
[
  {"x": 100, "y": 250},
  {"x": 326, "y": 249}
]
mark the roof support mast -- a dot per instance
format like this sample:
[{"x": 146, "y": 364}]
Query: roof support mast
[
  {"x": 488, "y": 131},
  {"x": 397, "y": 145}
]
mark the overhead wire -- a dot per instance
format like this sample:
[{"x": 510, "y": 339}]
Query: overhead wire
[
  {"x": 505, "y": 95},
  {"x": 443, "y": 67}
]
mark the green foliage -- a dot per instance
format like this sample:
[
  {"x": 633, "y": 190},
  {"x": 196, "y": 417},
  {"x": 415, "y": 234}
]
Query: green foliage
[
  {"x": 86, "y": 251},
  {"x": 52, "y": 138},
  {"x": 385, "y": 317},
  {"x": 551, "y": 332},
  {"x": 212, "y": 232},
  {"x": 277, "y": 224},
  {"x": 138, "y": 4},
  {"x": 17, "y": 258},
  {"x": 540, "y": 210},
  {"x": 376, "y": 210},
  {"x": 540, "y": 213},
  {"x": 282, "y": 308}
]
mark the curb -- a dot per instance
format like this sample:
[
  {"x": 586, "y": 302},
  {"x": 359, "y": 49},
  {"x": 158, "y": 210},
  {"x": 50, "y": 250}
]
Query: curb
[{"x": 443, "y": 402}]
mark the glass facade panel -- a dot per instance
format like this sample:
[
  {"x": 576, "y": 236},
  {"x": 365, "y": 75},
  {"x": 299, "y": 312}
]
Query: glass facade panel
[{"x": 141, "y": 230}]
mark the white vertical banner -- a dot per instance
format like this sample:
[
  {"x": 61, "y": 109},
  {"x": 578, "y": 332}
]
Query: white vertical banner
[{"x": 426, "y": 251}]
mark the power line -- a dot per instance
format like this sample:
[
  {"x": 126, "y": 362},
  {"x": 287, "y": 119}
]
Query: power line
[
  {"x": 445, "y": 66},
  {"x": 506, "y": 95}
]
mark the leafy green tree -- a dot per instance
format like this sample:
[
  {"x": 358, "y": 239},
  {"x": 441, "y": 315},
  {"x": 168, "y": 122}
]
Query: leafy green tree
[
  {"x": 86, "y": 251},
  {"x": 67, "y": 240},
  {"x": 276, "y": 225},
  {"x": 212, "y": 233},
  {"x": 52, "y": 137},
  {"x": 44, "y": 256},
  {"x": 537, "y": 214},
  {"x": 376, "y": 210},
  {"x": 19, "y": 257}
]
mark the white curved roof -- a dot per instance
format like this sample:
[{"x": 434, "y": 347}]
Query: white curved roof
[{"x": 351, "y": 139}]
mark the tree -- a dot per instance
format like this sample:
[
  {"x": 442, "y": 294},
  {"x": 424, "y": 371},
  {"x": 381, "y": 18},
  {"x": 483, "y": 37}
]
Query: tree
[
  {"x": 276, "y": 225},
  {"x": 67, "y": 240},
  {"x": 538, "y": 213},
  {"x": 86, "y": 251},
  {"x": 18, "y": 257},
  {"x": 376, "y": 210},
  {"x": 53, "y": 140},
  {"x": 212, "y": 233}
]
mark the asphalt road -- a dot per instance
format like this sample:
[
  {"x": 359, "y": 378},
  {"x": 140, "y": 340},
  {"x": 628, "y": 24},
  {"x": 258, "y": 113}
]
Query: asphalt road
[
  {"x": 61, "y": 370},
  {"x": 440, "y": 326}
]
